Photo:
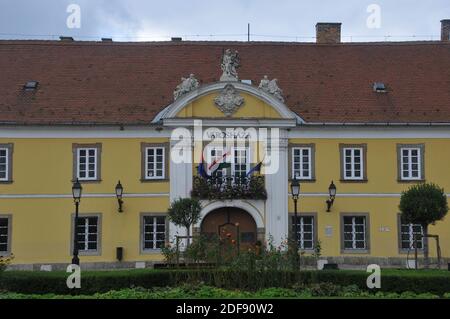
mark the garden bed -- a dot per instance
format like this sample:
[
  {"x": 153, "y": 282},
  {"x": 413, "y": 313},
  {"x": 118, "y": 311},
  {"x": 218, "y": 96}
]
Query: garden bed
[{"x": 392, "y": 281}]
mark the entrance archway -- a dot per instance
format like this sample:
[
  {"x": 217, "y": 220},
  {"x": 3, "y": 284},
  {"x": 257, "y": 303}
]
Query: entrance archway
[{"x": 231, "y": 223}]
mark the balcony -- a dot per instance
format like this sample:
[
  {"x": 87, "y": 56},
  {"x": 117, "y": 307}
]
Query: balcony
[{"x": 229, "y": 187}]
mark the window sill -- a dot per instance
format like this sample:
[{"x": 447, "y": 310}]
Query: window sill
[
  {"x": 409, "y": 181},
  {"x": 89, "y": 253},
  {"x": 355, "y": 251},
  {"x": 151, "y": 251},
  {"x": 88, "y": 181},
  {"x": 6, "y": 181},
  {"x": 411, "y": 252},
  {"x": 354, "y": 180},
  {"x": 155, "y": 180},
  {"x": 304, "y": 180}
]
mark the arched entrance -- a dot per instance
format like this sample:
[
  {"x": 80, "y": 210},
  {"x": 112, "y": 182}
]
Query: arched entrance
[{"x": 231, "y": 223}]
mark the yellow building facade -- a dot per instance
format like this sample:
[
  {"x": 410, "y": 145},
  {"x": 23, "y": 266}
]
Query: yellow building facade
[{"x": 370, "y": 164}]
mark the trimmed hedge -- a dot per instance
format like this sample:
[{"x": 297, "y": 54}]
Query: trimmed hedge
[{"x": 103, "y": 281}]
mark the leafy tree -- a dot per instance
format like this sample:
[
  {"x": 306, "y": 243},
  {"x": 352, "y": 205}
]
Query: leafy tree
[
  {"x": 424, "y": 204},
  {"x": 185, "y": 212}
]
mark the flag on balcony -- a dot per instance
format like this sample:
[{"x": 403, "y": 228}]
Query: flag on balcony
[
  {"x": 201, "y": 169},
  {"x": 256, "y": 168},
  {"x": 220, "y": 163}
]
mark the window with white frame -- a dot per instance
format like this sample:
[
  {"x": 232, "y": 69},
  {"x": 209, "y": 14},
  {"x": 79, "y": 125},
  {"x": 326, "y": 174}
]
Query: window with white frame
[
  {"x": 353, "y": 163},
  {"x": 241, "y": 164},
  {"x": 4, "y": 164},
  {"x": 88, "y": 233},
  {"x": 87, "y": 164},
  {"x": 410, "y": 163},
  {"x": 408, "y": 235},
  {"x": 154, "y": 232},
  {"x": 305, "y": 231},
  {"x": 155, "y": 163},
  {"x": 301, "y": 163},
  {"x": 216, "y": 155},
  {"x": 4, "y": 234},
  {"x": 355, "y": 232}
]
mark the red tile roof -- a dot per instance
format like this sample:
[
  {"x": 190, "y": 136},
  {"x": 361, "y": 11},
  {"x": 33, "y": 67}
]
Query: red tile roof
[{"x": 129, "y": 83}]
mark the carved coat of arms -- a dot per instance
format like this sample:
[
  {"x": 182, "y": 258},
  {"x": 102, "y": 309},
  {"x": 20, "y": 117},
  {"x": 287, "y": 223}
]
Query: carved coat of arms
[{"x": 229, "y": 100}]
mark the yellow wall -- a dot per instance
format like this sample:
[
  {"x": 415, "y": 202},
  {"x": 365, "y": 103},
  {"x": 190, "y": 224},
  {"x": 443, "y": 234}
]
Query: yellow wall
[
  {"x": 382, "y": 179},
  {"x": 252, "y": 108}
]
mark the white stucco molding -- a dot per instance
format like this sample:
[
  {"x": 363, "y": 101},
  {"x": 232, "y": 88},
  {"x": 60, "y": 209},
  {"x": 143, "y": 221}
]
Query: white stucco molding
[
  {"x": 255, "y": 208},
  {"x": 173, "y": 109}
]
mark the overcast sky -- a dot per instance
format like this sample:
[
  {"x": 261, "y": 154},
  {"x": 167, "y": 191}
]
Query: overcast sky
[{"x": 279, "y": 20}]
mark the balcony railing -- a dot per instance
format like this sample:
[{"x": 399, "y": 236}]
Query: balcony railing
[{"x": 229, "y": 187}]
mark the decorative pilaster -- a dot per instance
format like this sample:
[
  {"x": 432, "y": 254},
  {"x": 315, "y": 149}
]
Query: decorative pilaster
[
  {"x": 180, "y": 182},
  {"x": 277, "y": 191}
]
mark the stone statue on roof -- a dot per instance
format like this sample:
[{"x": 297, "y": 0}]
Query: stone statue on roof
[
  {"x": 230, "y": 64},
  {"x": 187, "y": 85},
  {"x": 271, "y": 87}
]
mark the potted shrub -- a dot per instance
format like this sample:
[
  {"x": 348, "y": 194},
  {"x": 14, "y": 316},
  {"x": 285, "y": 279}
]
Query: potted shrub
[{"x": 317, "y": 254}]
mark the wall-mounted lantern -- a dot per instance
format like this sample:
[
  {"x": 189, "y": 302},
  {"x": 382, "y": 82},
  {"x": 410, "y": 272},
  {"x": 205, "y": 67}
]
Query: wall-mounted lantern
[
  {"x": 332, "y": 192},
  {"x": 119, "y": 193}
]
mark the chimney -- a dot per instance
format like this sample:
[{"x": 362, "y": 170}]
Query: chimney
[
  {"x": 445, "y": 30},
  {"x": 328, "y": 32}
]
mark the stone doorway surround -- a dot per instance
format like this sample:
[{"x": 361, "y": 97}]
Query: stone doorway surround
[{"x": 255, "y": 208}]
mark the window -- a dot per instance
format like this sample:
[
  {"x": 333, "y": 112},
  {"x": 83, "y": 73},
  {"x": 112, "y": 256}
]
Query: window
[
  {"x": 355, "y": 233},
  {"x": 153, "y": 232},
  {"x": 87, "y": 162},
  {"x": 408, "y": 232},
  {"x": 410, "y": 161},
  {"x": 241, "y": 163},
  {"x": 305, "y": 231},
  {"x": 5, "y": 235},
  {"x": 353, "y": 162},
  {"x": 216, "y": 155},
  {"x": 301, "y": 162},
  {"x": 88, "y": 234},
  {"x": 154, "y": 163},
  {"x": 5, "y": 162}
]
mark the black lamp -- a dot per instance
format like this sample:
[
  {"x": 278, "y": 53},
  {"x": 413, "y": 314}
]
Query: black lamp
[
  {"x": 76, "y": 193},
  {"x": 332, "y": 192},
  {"x": 295, "y": 188},
  {"x": 119, "y": 193}
]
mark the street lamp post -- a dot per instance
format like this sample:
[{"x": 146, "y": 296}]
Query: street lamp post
[
  {"x": 119, "y": 193},
  {"x": 295, "y": 191},
  {"x": 76, "y": 193}
]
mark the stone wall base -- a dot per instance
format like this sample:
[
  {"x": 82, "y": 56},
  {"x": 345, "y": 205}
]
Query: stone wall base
[{"x": 308, "y": 261}]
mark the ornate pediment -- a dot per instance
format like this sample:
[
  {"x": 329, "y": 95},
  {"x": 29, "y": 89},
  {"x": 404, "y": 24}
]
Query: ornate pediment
[{"x": 229, "y": 100}]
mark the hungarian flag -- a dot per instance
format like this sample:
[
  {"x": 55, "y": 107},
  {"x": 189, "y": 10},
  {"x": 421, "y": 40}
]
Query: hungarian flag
[{"x": 220, "y": 163}]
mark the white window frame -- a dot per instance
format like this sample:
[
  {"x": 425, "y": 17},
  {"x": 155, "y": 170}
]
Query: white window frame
[
  {"x": 300, "y": 173},
  {"x": 410, "y": 234},
  {"x": 87, "y": 149},
  {"x": 86, "y": 234},
  {"x": 247, "y": 159},
  {"x": 146, "y": 170},
  {"x": 6, "y": 178},
  {"x": 154, "y": 225},
  {"x": 410, "y": 170},
  {"x": 211, "y": 158},
  {"x": 352, "y": 163},
  {"x": 7, "y": 252},
  {"x": 301, "y": 230},
  {"x": 354, "y": 232}
]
